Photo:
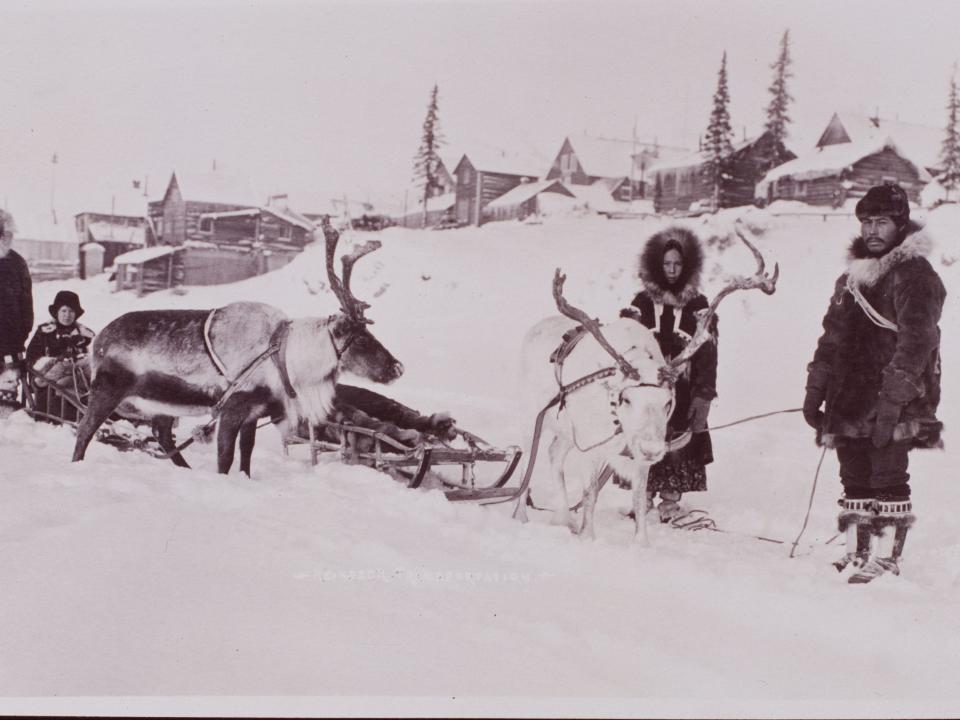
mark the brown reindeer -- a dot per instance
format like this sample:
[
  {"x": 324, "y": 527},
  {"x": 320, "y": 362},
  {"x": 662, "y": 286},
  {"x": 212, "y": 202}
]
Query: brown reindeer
[{"x": 241, "y": 362}]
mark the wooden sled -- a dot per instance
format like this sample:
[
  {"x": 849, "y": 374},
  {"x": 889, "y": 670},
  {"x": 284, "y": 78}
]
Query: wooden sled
[
  {"x": 412, "y": 463},
  {"x": 65, "y": 403}
]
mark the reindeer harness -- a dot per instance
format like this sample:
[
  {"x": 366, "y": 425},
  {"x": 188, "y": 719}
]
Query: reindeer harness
[
  {"x": 569, "y": 342},
  {"x": 276, "y": 351}
]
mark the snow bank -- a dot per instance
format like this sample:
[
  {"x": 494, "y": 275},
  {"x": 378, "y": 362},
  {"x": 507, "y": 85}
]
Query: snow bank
[{"x": 125, "y": 576}]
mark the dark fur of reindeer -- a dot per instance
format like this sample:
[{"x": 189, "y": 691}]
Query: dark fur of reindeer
[{"x": 156, "y": 364}]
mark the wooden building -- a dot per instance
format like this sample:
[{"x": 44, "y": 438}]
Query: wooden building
[
  {"x": 440, "y": 202},
  {"x": 276, "y": 227},
  {"x": 920, "y": 144},
  {"x": 50, "y": 248},
  {"x": 681, "y": 185},
  {"x": 176, "y": 217},
  {"x": 149, "y": 269},
  {"x": 854, "y": 153},
  {"x": 483, "y": 176},
  {"x": 525, "y": 200},
  {"x": 832, "y": 174},
  {"x": 589, "y": 160},
  {"x": 119, "y": 228}
]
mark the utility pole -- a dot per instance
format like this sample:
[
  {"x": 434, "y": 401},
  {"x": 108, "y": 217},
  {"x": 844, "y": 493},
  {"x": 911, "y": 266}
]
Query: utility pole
[
  {"x": 633, "y": 160},
  {"x": 53, "y": 187}
]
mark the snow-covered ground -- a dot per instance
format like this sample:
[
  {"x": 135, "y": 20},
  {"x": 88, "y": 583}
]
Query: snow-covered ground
[{"x": 125, "y": 576}]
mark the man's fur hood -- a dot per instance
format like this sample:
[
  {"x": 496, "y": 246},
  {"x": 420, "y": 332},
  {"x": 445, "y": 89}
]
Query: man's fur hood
[
  {"x": 650, "y": 267},
  {"x": 866, "y": 271}
]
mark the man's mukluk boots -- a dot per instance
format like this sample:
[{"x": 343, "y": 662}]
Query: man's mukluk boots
[
  {"x": 856, "y": 521},
  {"x": 894, "y": 518}
]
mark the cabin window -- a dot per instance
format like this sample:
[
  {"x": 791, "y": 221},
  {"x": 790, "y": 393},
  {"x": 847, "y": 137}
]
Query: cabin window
[
  {"x": 158, "y": 227},
  {"x": 465, "y": 176},
  {"x": 286, "y": 231},
  {"x": 802, "y": 189},
  {"x": 206, "y": 225}
]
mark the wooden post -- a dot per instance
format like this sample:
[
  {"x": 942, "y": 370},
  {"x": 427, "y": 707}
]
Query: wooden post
[
  {"x": 143, "y": 267},
  {"x": 170, "y": 270}
]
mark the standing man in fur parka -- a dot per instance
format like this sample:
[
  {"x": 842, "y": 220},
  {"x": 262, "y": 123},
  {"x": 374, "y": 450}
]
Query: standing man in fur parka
[
  {"x": 877, "y": 370},
  {"x": 669, "y": 268}
]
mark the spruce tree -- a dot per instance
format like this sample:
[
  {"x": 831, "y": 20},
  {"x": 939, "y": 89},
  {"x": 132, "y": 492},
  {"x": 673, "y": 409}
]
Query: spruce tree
[
  {"x": 426, "y": 163},
  {"x": 777, "y": 117},
  {"x": 949, "y": 178},
  {"x": 718, "y": 144}
]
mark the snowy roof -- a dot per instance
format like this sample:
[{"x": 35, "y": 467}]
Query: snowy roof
[
  {"x": 40, "y": 226},
  {"x": 285, "y": 214},
  {"x": 831, "y": 160},
  {"x": 144, "y": 254},
  {"x": 128, "y": 203},
  {"x": 919, "y": 143},
  {"x": 507, "y": 161},
  {"x": 113, "y": 232},
  {"x": 437, "y": 202},
  {"x": 596, "y": 196},
  {"x": 695, "y": 158},
  {"x": 524, "y": 191},
  {"x": 291, "y": 216},
  {"x": 218, "y": 186},
  {"x": 603, "y": 157}
]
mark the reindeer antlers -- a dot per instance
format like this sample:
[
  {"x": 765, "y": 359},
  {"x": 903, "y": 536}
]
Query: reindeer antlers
[
  {"x": 590, "y": 324},
  {"x": 350, "y": 305},
  {"x": 760, "y": 280}
]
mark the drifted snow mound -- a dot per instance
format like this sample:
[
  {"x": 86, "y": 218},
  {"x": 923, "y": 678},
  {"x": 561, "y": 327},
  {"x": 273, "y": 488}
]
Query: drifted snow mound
[{"x": 124, "y": 575}]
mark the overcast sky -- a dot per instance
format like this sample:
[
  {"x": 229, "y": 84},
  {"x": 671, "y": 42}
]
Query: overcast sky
[{"x": 320, "y": 99}]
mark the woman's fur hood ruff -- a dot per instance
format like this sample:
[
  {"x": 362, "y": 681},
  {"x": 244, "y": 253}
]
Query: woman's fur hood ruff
[
  {"x": 866, "y": 271},
  {"x": 650, "y": 267}
]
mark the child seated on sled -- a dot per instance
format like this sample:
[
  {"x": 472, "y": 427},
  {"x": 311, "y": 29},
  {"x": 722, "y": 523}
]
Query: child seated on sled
[
  {"x": 373, "y": 411},
  {"x": 58, "y": 349}
]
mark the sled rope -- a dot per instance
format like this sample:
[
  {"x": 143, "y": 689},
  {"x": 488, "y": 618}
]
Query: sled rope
[
  {"x": 749, "y": 419},
  {"x": 813, "y": 491}
]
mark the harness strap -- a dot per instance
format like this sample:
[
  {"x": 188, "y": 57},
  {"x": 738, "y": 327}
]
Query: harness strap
[
  {"x": 280, "y": 336},
  {"x": 209, "y": 345},
  {"x": 871, "y": 312}
]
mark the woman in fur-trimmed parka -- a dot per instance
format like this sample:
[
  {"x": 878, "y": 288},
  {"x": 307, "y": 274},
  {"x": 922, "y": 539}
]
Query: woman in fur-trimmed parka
[
  {"x": 876, "y": 371},
  {"x": 669, "y": 268}
]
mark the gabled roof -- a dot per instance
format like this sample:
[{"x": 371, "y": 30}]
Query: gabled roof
[
  {"x": 603, "y": 157},
  {"x": 919, "y": 143},
  {"x": 487, "y": 158},
  {"x": 830, "y": 160},
  {"x": 524, "y": 191},
  {"x": 218, "y": 186}
]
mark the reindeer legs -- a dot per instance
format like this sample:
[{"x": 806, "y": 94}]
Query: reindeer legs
[
  {"x": 163, "y": 426},
  {"x": 248, "y": 436},
  {"x": 106, "y": 393},
  {"x": 640, "y": 505},
  {"x": 558, "y": 451}
]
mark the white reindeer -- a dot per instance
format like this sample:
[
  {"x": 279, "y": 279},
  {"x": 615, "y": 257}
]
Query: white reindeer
[{"x": 608, "y": 415}]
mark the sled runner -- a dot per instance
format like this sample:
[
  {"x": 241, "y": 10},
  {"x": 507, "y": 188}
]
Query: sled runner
[{"x": 412, "y": 462}]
